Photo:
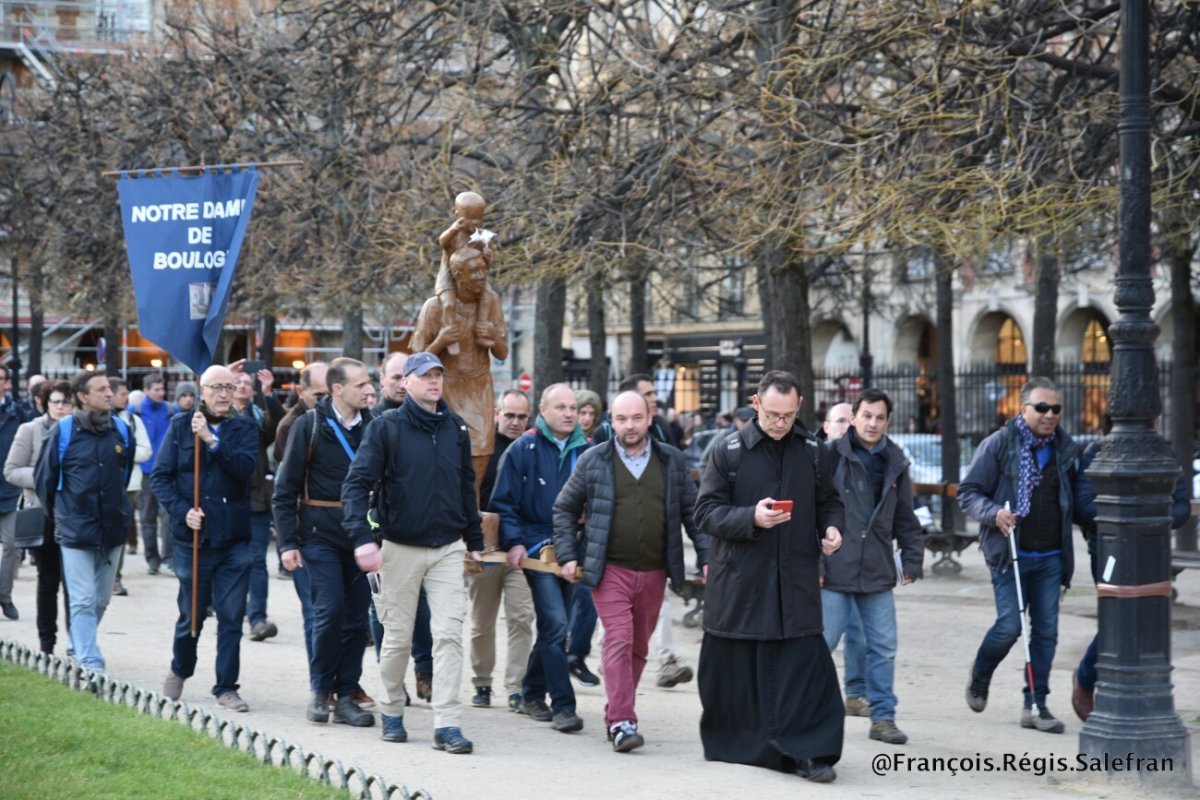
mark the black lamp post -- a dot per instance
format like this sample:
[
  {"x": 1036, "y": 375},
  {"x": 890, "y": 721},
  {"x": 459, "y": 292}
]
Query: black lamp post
[{"x": 1134, "y": 474}]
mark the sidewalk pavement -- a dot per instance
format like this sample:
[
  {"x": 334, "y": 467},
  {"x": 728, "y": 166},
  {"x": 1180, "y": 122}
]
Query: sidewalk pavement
[{"x": 941, "y": 621}]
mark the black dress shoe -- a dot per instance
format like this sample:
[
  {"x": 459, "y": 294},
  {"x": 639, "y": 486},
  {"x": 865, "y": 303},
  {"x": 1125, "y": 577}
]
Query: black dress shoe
[
  {"x": 318, "y": 708},
  {"x": 348, "y": 713},
  {"x": 10, "y": 610},
  {"x": 582, "y": 674},
  {"x": 816, "y": 770}
]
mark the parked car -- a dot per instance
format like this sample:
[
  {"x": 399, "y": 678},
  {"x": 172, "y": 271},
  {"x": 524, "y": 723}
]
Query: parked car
[
  {"x": 924, "y": 450},
  {"x": 693, "y": 454}
]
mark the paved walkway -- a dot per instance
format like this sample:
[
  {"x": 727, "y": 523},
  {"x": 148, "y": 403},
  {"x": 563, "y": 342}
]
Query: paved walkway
[{"x": 941, "y": 621}]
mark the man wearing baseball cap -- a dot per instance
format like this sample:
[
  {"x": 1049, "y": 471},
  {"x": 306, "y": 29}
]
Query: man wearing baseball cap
[{"x": 413, "y": 534}]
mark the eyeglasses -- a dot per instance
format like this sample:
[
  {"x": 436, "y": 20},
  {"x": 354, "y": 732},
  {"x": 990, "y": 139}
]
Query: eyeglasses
[
  {"x": 1042, "y": 408},
  {"x": 775, "y": 419},
  {"x": 510, "y": 415},
  {"x": 220, "y": 388},
  {"x": 59, "y": 402}
]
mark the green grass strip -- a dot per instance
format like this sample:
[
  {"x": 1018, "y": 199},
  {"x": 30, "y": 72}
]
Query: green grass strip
[{"x": 59, "y": 743}]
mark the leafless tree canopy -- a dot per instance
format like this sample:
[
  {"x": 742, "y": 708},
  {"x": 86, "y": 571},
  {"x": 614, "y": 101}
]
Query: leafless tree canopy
[{"x": 613, "y": 140}]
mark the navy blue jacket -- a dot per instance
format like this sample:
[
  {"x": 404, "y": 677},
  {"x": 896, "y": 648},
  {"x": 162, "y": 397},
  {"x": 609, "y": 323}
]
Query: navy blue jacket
[
  {"x": 224, "y": 479},
  {"x": 92, "y": 509},
  {"x": 531, "y": 474},
  {"x": 421, "y": 461},
  {"x": 11, "y": 419},
  {"x": 991, "y": 481}
]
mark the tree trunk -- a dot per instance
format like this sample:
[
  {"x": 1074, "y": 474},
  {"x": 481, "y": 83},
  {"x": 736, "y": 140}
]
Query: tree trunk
[
  {"x": 1045, "y": 309},
  {"x": 112, "y": 348},
  {"x": 352, "y": 334},
  {"x": 597, "y": 336},
  {"x": 783, "y": 294},
  {"x": 37, "y": 325},
  {"x": 1179, "y": 253},
  {"x": 551, "y": 308},
  {"x": 947, "y": 398},
  {"x": 638, "y": 358},
  {"x": 266, "y": 345}
]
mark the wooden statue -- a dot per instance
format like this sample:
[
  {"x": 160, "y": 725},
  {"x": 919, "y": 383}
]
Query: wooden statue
[{"x": 463, "y": 324}]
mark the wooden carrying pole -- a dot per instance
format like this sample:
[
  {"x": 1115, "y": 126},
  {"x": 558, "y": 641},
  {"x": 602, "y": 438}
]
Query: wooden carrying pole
[
  {"x": 197, "y": 169},
  {"x": 196, "y": 539}
]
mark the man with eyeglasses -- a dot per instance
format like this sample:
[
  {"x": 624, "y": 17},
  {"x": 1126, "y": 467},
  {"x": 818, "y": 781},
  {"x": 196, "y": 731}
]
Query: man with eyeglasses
[
  {"x": 500, "y": 581},
  {"x": 228, "y": 445},
  {"x": 1026, "y": 481},
  {"x": 768, "y": 502}
]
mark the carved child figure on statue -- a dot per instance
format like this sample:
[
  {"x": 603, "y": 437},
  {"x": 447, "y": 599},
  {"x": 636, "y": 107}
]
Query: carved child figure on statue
[{"x": 466, "y": 231}]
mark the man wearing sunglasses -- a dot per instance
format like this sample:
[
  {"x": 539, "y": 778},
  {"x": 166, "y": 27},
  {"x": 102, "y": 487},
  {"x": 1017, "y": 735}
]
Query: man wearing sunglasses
[{"x": 1026, "y": 481}]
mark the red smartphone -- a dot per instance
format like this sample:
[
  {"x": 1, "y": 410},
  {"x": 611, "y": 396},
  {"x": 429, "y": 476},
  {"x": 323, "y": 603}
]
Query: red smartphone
[{"x": 781, "y": 505}]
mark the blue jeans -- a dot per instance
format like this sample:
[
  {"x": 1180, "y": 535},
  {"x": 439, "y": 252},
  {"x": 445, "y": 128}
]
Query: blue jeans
[
  {"x": 1087, "y": 674},
  {"x": 421, "y": 649},
  {"x": 340, "y": 597},
  {"x": 260, "y": 539},
  {"x": 547, "y": 670},
  {"x": 583, "y": 622},
  {"x": 304, "y": 592},
  {"x": 89, "y": 574},
  {"x": 224, "y": 578},
  {"x": 878, "y": 612},
  {"x": 854, "y": 652},
  {"x": 1040, "y": 582}
]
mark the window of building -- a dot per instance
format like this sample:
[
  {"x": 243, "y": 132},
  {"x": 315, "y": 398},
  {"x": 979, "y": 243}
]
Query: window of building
[
  {"x": 1010, "y": 346},
  {"x": 292, "y": 347},
  {"x": 1095, "y": 348},
  {"x": 1012, "y": 361},
  {"x": 687, "y": 388},
  {"x": 732, "y": 299}
]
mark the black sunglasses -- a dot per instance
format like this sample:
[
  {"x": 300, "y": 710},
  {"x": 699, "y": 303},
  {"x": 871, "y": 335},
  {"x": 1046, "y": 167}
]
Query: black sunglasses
[{"x": 1042, "y": 408}]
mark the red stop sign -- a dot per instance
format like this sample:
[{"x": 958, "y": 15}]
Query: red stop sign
[{"x": 525, "y": 382}]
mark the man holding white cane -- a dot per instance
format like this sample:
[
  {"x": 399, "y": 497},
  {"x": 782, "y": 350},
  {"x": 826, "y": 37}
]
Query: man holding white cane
[{"x": 1025, "y": 482}]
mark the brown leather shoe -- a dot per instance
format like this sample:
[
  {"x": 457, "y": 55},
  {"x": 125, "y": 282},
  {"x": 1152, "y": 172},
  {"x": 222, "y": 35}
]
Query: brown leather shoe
[{"x": 1082, "y": 700}]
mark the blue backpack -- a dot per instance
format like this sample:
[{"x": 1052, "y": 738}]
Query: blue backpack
[{"x": 67, "y": 424}]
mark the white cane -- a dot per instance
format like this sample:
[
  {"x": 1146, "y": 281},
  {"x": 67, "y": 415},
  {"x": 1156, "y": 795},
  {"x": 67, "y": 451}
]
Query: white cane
[{"x": 1012, "y": 541}]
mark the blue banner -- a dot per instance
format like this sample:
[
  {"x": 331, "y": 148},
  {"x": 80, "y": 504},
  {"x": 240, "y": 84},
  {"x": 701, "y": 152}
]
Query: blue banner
[{"x": 183, "y": 234}]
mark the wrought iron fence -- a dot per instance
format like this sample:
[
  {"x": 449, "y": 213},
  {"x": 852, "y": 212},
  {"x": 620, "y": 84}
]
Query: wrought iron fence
[{"x": 987, "y": 395}]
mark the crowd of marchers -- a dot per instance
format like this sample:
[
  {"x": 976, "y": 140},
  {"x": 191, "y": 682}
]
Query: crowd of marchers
[{"x": 576, "y": 528}]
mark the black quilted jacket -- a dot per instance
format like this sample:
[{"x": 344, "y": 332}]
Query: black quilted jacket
[{"x": 589, "y": 491}]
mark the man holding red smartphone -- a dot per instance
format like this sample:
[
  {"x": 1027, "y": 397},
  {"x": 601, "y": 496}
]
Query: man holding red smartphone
[{"x": 767, "y": 681}]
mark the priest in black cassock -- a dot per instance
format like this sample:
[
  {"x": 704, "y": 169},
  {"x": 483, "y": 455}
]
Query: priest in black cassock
[{"x": 767, "y": 681}]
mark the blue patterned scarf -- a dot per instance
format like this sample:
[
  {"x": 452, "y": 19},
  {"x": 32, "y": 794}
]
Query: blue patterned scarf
[{"x": 1029, "y": 476}]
